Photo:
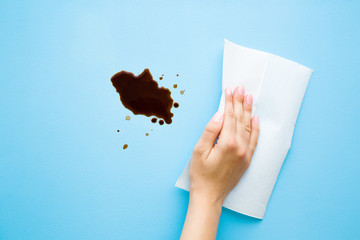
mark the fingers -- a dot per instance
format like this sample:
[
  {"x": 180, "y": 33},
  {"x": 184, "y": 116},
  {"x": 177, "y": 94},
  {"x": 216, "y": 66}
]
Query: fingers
[
  {"x": 229, "y": 116},
  {"x": 247, "y": 115},
  {"x": 238, "y": 98},
  {"x": 208, "y": 137},
  {"x": 254, "y": 135}
]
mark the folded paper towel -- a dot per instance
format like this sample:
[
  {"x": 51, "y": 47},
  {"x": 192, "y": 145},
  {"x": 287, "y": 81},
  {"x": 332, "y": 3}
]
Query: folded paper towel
[{"x": 278, "y": 86}]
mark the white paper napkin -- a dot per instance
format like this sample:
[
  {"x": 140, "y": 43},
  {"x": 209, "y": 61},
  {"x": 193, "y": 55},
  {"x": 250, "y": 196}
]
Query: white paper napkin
[{"x": 278, "y": 86}]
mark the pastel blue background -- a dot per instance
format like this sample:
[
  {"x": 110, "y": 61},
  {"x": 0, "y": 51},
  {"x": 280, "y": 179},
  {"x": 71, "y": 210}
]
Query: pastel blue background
[{"x": 63, "y": 172}]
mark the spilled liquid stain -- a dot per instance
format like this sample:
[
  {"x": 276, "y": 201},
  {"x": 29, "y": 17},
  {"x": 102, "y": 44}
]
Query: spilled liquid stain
[
  {"x": 125, "y": 146},
  {"x": 142, "y": 95},
  {"x": 176, "y": 105},
  {"x": 154, "y": 120},
  {"x": 182, "y": 92},
  {"x": 175, "y": 85}
]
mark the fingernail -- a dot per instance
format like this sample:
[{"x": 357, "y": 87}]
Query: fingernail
[
  {"x": 227, "y": 91},
  {"x": 256, "y": 120},
  {"x": 217, "y": 117},
  {"x": 249, "y": 99},
  {"x": 241, "y": 90}
]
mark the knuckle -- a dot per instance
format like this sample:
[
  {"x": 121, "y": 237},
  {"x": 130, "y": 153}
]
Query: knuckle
[
  {"x": 230, "y": 112},
  {"x": 247, "y": 106},
  {"x": 240, "y": 119},
  {"x": 231, "y": 144},
  {"x": 197, "y": 150},
  {"x": 254, "y": 140},
  {"x": 211, "y": 128},
  {"x": 238, "y": 98},
  {"x": 241, "y": 153},
  {"x": 222, "y": 147}
]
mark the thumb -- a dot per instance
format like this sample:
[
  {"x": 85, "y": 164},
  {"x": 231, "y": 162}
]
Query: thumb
[{"x": 211, "y": 131}]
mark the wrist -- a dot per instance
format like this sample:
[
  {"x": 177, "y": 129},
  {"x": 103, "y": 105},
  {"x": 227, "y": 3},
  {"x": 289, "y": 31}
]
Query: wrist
[
  {"x": 206, "y": 202},
  {"x": 202, "y": 217}
]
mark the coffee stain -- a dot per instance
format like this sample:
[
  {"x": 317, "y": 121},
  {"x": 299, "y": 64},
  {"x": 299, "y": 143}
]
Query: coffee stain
[
  {"x": 175, "y": 85},
  {"x": 142, "y": 95},
  {"x": 125, "y": 146},
  {"x": 182, "y": 92},
  {"x": 127, "y": 118},
  {"x": 176, "y": 105}
]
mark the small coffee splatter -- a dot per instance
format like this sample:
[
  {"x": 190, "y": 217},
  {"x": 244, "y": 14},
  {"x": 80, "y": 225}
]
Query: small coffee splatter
[
  {"x": 147, "y": 134},
  {"x": 177, "y": 75},
  {"x": 161, "y": 122},
  {"x": 175, "y": 85},
  {"x": 182, "y": 92},
  {"x": 161, "y": 78},
  {"x": 176, "y": 105},
  {"x": 142, "y": 95},
  {"x": 118, "y": 130},
  {"x": 162, "y": 75},
  {"x": 127, "y": 118},
  {"x": 154, "y": 120},
  {"x": 125, "y": 146}
]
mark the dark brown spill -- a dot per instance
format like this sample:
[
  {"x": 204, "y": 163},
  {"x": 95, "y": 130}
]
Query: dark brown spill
[
  {"x": 118, "y": 130},
  {"x": 125, "y": 146},
  {"x": 175, "y": 85},
  {"x": 161, "y": 122},
  {"x": 146, "y": 134},
  {"x": 127, "y": 118},
  {"x": 142, "y": 95},
  {"x": 176, "y": 105},
  {"x": 177, "y": 75},
  {"x": 161, "y": 78},
  {"x": 182, "y": 92},
  {"x": 154, "y": 120}
]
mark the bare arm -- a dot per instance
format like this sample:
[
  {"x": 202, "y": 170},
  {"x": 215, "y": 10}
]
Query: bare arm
[{"x": 216, "y": 169}]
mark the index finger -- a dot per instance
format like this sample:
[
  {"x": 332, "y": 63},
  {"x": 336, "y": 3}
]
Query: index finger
[{"x": 229, "y": 116}]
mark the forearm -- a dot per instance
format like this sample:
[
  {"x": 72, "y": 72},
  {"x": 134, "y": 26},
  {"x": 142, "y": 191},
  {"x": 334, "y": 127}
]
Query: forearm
[{"x": 202, "y": 218}]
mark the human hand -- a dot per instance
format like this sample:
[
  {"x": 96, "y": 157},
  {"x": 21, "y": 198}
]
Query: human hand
[{"x": 216, "y": 169}]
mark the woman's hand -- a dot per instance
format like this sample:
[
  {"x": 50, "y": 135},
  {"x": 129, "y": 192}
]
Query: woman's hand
[{"x": 216, "y": 169}]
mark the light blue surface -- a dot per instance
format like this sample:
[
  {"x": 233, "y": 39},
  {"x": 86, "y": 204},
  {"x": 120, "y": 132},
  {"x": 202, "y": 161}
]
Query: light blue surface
[{"x": 63, "y": 172}]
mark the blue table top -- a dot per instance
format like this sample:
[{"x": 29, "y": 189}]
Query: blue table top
[{"x": 63, "y": 172}]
